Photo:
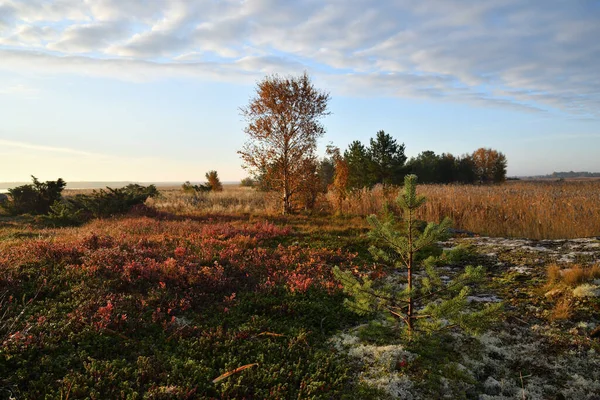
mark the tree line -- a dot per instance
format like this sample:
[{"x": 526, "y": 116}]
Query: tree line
[
  {"x": 384, "y": 162},
  {"x": 284, "y": 124}
]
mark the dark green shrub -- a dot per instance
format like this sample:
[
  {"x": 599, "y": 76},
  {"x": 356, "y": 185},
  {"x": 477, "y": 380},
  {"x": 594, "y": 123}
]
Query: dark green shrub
[
  {"x": 109, "y": 202},
  {"x": 247, "y": 182},
  {"x": 64, "y": 213},
  {"x": 35, "y": 198},
  {"x": 187, "y": 187},
  {"x": 99, "y": 204}
]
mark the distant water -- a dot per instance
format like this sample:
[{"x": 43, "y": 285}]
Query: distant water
[{"x": 4, "y": 186}]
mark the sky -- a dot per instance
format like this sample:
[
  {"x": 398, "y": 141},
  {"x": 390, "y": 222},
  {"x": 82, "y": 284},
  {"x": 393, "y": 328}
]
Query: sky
[{"x": 150, "y": 90}]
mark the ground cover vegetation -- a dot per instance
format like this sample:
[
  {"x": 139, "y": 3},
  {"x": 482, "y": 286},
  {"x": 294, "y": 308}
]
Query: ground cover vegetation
[
  {"x": 155, "y": 304},
  {"x": 207, "y": 291}
]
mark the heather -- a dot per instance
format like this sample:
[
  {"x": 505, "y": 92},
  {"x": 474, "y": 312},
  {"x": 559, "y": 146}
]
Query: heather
[
  {"x": 159, "y": 308},
  {"x": 198, "y": 303}
]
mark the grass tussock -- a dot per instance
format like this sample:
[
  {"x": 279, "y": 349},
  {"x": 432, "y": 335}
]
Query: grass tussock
[
  {"x": 553, "y": 273},
  {"x": 563, "y": 310},
  {"x": 578, "y": 274},
  {"x": 567, "y": 284},
  {"x": 574, "y": 276}
]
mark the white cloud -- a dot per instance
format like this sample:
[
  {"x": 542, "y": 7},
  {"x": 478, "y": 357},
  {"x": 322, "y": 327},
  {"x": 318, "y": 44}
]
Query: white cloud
[
  {"x": 91, "y": 37},
  {"x": 29, "y": 146},
  {"x": 19, "y": 89},
  {"x": 503, "y": 53}
]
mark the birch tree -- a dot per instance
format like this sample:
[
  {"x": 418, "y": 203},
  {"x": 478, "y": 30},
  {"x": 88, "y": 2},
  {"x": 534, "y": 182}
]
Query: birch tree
[{"x": 283, "y": 125}]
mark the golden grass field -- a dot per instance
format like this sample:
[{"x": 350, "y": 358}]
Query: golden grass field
[{"x": 531, "y": 209}]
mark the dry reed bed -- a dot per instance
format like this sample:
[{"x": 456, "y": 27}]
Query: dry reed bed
[
  {"x": 531, "y": 209},
  {"x": 535, "y": 210}
]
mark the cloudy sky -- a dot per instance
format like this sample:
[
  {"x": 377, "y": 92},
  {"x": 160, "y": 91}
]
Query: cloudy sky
[{"x": 150, "y": 90}]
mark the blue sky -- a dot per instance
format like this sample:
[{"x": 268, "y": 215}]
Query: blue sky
[{"x": 149, "y": 90}]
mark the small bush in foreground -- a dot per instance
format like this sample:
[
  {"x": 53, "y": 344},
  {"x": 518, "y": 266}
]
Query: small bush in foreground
[{"x": 430, "y": 305}]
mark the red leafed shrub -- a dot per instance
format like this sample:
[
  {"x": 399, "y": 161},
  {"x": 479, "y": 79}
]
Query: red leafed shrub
[{"x": 130, "y": 272}]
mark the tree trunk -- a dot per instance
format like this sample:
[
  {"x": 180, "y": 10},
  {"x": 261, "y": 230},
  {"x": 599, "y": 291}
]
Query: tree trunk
[
  {"x": 286, "y": 201},
  {"x": 409, "y": 313}
]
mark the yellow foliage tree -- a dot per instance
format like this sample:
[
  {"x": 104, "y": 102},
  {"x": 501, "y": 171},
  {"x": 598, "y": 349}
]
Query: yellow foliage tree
[
  {"x": 340, "y": 177},
  {"x": 283, "y": 127},
  {"x": 490, "y": 165}
]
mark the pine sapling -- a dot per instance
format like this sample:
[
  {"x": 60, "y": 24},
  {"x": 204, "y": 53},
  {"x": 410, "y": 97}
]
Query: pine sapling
[{"x": 429, "y": 304}]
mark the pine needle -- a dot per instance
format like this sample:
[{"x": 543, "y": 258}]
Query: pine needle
[
  {"x": 270, "y": 334},
  {"x": 233, "y": 371}
]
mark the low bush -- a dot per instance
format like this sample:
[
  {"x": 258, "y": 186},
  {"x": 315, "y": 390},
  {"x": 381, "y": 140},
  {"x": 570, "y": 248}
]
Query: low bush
[
  {"x": 187, "y": 187},
  {"x": 99, "y": 204},
  {"x": 35, "y": 198},
  {"x": 139, "y": 308}
]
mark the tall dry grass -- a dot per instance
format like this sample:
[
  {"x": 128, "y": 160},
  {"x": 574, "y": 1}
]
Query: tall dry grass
[
  {"x": 531, "y": 209},
  {"x": 234, "y": 199}
]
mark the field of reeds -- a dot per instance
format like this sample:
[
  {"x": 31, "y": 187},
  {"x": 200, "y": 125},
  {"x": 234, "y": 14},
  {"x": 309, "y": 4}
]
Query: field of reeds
[{"x": 529, "y": 209}]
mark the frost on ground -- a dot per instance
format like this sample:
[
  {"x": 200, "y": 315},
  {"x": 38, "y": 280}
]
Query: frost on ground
[{"x": 527, "y": 355}]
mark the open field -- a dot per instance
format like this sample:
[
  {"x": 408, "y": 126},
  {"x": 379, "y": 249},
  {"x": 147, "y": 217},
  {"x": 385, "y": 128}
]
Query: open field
[
  {"x": 530, "y": 209},
  {"x": 159, "y": 303}
]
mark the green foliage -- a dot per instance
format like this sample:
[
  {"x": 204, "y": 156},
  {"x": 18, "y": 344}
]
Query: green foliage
[
  {"x": 358, "y": 161},
  {"x": 35, "y": 198},
  {"x": 457, "y": 255},
  {"x": 187, "y": 187},
  {"x": 382, "y": 162},
  {"x": 386, "y": 159},
  {"x": 325, "y": 173},
  {"x": 109, "y": 202},
  {"x": 64, "y": 213},
  {"x": 484, "y": 165},
  {"x": 430, "y": 304},
  {"x": 426, "y": 166},
  {"x": 99, "y": 204},
  {"x": 248, "y": 182}
]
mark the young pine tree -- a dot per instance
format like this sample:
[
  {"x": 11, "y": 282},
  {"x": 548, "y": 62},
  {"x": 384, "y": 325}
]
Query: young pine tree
[
  {"x": 423, "y": 305},
  {"x": 213, "y": 181}
]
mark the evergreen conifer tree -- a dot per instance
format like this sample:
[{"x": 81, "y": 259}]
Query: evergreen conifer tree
[{"x": 429, "y": 304}]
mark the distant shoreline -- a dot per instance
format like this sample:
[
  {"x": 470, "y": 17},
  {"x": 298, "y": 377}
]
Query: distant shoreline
[{"x": 4, "y": 186}]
